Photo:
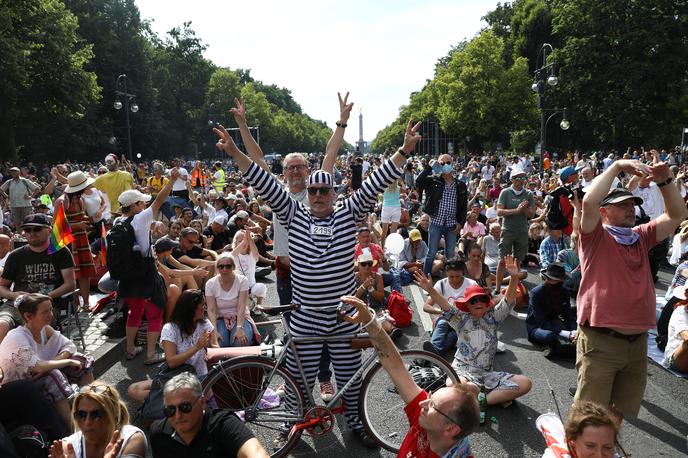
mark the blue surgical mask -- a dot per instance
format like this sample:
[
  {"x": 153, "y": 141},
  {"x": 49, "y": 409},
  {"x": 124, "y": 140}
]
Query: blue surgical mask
[
  {"x": 447, "y": 168},
  {"x": 436, "y": 168}
]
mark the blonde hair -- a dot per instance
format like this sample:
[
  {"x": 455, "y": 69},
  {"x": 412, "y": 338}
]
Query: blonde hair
[{"x": 115, "y": 410}]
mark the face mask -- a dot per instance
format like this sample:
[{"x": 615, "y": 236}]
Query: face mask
[
  {"x": 518, "y": 193},
  {"x": 447, "y": 168},
  {"x": 436, "y": 168}
]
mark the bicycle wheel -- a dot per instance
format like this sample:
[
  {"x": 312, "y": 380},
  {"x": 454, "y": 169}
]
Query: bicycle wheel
[
  {"x": 380, "y": 407},
  {"x": 236, "y": 385}
]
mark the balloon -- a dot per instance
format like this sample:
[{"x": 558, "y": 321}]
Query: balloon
[{"x": 394, "y": 244}]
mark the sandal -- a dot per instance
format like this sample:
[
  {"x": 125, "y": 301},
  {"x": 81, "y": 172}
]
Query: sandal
[
  {"x": 132, "y": 354},
  {"x": 155, "y": 359}
]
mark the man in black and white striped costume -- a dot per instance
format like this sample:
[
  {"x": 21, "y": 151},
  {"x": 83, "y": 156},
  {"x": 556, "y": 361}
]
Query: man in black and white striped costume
[{"x": 321, "y": 247}]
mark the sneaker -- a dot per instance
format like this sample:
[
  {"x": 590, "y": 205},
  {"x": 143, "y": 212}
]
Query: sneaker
[
  {"x": 326, "y": 391},
  {"x": 362, "y": 436},
  {"x": 548, "y": 351},
  {"x": 501, "y": 346},
  {"x": 429, "y": 347}
]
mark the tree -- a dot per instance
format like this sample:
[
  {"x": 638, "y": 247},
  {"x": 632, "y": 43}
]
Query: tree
[{"x": 44, "y": 81}]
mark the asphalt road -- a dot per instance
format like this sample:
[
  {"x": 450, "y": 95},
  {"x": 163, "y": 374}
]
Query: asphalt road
[{"x": 659, "y": 431}]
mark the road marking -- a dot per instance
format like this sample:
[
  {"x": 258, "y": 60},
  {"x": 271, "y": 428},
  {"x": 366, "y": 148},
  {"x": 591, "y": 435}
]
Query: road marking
[{"x": 419, "y": 300}]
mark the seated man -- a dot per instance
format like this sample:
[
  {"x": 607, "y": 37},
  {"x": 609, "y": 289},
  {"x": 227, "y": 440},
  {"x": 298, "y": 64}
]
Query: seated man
[
  {"x": 452, "y": 288},
  {"x": 551, "y": 246},
  {"x": 192, "y": 430},
  {"x": 217, "y": 235},
  {"x": 30, "y": 269},
  {"x": 189, "y": 253},
  {"x": 551, "y": 321},
  {"x": 440, "y": 424},
  {"x": 676, "y": 351}
]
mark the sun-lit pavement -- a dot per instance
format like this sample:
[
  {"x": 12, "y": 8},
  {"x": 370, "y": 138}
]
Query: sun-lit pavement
[{"x": 660, "y": 429}]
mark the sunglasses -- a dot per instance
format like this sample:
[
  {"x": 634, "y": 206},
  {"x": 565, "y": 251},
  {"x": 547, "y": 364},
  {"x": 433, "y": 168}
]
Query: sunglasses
[
  {"x": 477, "y": 299},
  {"x": 444, "y": 163},
  {"x": 225, "y": 266},
  {"x": 432, "y": 405},
  {"x": 184, "y": 407},
  {"x": 83, "y": 415},
  {"x": 30, "y": 229},
  {"x": 323, "y": 191},
  {"x": 366, "y": 264},
  {"x": 98, "y": 389}
]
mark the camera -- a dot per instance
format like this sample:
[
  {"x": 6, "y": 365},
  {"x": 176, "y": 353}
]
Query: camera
[{"x": 568, "y": 190}]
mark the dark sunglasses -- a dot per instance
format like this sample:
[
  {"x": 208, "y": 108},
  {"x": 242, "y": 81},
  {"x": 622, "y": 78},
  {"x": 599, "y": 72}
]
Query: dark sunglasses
[
  {"x": 366, "y": 264},
  {"x": 30, "y": 229},
  {"x": 323, "y": 191},
  {"x": 184, "y": 407},
  {"x": 83, "y": 415},
  {"x": 475, "y": 300},
  {"x": 225, "y": 266},
  {"x": 443, "y": 163}
]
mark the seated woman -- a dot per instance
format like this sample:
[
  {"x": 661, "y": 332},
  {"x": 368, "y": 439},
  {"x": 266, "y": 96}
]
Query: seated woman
[
  {"x": 551, "y": 322},
  {"x": 246, "y": 255},
  {"x": 590, "y": 431},
  {"x": 36, "y": 350},
  {"x": 535, "y": 238},
  {"x": 477, "y": 270},
  {"x": 475, "y": 321},
  {"x": 676, "y": 351},
  {"x": 202, "y": 239},
  {"x": 227, "y": 297},
  {"x": 471, "y": 232},
  {"x": 101, "y": 422},
  {"x": 184, "y": 339}
]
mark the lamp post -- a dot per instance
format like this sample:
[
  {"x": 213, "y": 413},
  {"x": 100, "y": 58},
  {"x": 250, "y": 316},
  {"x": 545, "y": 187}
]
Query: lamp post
[
  {"x": 129, "y": 104},
  {"x": 544, "y": 76},
  {"x": 563, "y": 125}
]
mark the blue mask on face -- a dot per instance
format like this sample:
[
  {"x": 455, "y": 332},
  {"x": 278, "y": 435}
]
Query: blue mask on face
[
  {"x": 447, "y": 168},
  {"x": 436, "y": 168}
]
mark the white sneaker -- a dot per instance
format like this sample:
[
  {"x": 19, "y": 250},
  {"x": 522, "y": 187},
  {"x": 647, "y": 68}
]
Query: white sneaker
[
  {"x": 501, "y": 346},
  {"x": 326, "y": 391}
]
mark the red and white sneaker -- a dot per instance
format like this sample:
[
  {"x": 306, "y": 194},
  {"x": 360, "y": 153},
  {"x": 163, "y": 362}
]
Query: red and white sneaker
[{"x": 326, "y": 391}]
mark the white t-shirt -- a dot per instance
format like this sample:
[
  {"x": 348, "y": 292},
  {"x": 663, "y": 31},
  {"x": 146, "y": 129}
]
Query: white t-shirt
[
  {"x": 453, "y": 294},
  {"x": 125, "y": 434},
  {"x": 142, "y": 223},
  {"x": 487, "y": 172},
  {"x": 246, "y": 266},
  {"x": 171, "y": 333},
  {"x": 227, "y": 301},
  {"x": 677, "y": 324},
  {"x": 180, "y": 183}
]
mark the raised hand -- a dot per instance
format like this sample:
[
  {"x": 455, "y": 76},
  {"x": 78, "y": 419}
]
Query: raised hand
[
  {"x": 174, "y": 173},
  {"x": 344, "y": 108},
  {"x": 634, "y": 167},
  {"x": 363, "y": 314},
  {"x": 225, "y": 143},
  {"x": 512, "y": 266},
  {"x": 411, "y": 136},
  {"x": 113, "y": 447},
  {"x": 425, "y": 282},
  {"x": 239, "y": 112},
  {"x": 660, "y": 172}
]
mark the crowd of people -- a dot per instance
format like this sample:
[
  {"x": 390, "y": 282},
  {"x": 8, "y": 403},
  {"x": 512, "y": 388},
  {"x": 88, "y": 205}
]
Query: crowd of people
[{"x": 188, "y": 244}]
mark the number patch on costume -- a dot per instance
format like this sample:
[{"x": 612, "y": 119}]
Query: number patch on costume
[{"x": 321, "y": 230}]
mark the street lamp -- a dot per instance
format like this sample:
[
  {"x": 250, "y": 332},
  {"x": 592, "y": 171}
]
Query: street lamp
[
  {"x": 545, "y": 76},
  {"x": 129, "y": 104},
  {"x": 211, "y": 115}
]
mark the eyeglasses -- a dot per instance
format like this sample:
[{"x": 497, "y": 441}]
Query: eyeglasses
[
  {"x": 519, "y": 178},
  {"x": 94, "y": 415},
  {"x": 444, "y": 163},
  {"x": 366, "y": 264},
  {"x": 432, "y": 405},
  {"x": 225, "y": 266},
  {"x": 295, "y": 168},
  {"x": 475, "y": 300},
  {"x": 30, "y": 229},
  {"x": 184, "y": 407},
  {"x": 323, "y": 191}
]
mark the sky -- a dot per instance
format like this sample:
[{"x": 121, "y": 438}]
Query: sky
[{"x": 379, "y": 51}]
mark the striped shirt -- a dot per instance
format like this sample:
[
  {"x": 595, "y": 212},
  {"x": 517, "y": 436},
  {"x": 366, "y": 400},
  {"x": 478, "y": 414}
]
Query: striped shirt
[
  {"x": 321, "y": 249},
  {"x": 446, "y": 212}
]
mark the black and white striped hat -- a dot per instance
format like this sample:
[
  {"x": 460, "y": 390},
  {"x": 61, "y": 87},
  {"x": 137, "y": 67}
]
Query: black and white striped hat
[{"x": 320, "y": 177}]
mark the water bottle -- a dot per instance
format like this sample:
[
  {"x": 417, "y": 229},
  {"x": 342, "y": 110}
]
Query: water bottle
[{"x": 482, "y": 404}]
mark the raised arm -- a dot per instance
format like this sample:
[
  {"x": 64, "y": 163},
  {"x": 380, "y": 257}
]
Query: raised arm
[
  {"x": 165, "y": 191},
  {"x": 337, "y": 137},
  {"x": 425, "y": 283},
  {"x": 674, "y": 207},
  {"x": 252, "y": 147}
]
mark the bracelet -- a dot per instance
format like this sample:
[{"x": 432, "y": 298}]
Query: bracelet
[
  {"x": 342, "y": 125},
  {"x": 664, "y": 183},
  {"x": 403, "y": 153},
  {"x": 372, "y": 319}
]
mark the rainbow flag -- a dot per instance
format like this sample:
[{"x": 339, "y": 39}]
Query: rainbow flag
[
  {"x": 62, "y": 233},
  {"x": 103, "y": 245}
]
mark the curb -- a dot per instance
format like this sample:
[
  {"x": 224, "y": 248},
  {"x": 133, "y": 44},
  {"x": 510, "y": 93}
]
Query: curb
[{"x": 107, "y": 355}]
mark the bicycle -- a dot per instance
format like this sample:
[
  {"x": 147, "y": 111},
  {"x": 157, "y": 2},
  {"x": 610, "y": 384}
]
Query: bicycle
[{"x": 247, "y": 384}]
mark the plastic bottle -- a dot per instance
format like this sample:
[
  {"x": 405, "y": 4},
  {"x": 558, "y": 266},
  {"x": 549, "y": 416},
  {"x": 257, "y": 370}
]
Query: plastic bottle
[{"x": 482, "y": 404}]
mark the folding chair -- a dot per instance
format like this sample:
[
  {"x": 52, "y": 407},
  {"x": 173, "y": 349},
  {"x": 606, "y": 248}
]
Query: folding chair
[{"x": 72, "y": 313}]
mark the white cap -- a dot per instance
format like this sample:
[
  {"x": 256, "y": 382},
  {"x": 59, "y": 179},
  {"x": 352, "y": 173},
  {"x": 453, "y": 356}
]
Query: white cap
[
  {"x": 241, "y": 214},
  {"x": 220, "y": 219},
  {"x": 132, "y": 196},
  {"x": 516, "y": 173}
]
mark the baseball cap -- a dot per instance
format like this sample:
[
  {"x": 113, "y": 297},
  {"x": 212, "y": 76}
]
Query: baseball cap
[
  {"x": 111, "y": 159},
  {"x": 220, "y": 219},
  {"x": 320, "y": 177},
  {"x": 37, "y": 220},
  {"x": 414, "y": 235},
  {"x": 618, "y": 195},
  {"x": 517, "y": 173},
  {"x": 566, "y": 172},
  {"x": 132, "y": 196},
  {"x": 241, "y": 214}
]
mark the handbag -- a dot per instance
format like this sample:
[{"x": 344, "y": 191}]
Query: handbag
[{"x": 154, "y": 405}]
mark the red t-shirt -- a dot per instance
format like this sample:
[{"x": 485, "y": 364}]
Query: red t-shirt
[
  {"x": 616, "y": 289},
  {"x": 375, "y": 250}
]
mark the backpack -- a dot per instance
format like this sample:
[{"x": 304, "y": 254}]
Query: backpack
[
  {"x": 555, "y": 218},
  {"x": 122, "y": 261},
  {"x": 398, "y": 308},
  {"x": 154, "y": 405},
  {"x": 29, "y": 442}
]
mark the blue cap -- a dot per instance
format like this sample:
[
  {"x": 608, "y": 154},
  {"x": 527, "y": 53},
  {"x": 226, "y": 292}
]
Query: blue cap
[{"x": 566, "y": 172}]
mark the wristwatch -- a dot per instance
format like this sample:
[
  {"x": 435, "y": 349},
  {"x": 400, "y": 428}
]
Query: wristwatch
[
  {"x": 339, "y": 124},
  {"x": 664, "y": 183},
  {"x": 403, "y": 153}
]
